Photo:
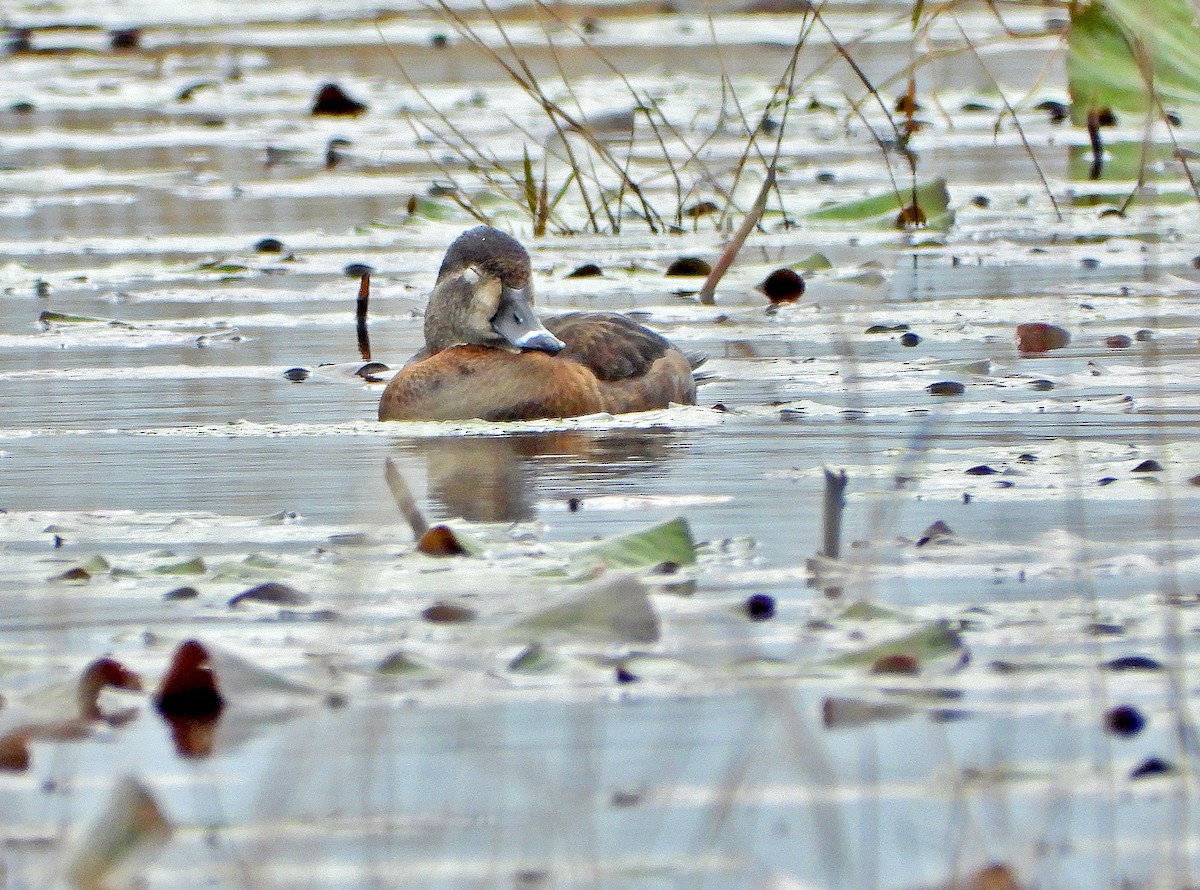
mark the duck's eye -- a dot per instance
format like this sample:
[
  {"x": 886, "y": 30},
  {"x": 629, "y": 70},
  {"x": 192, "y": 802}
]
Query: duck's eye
[{"x": 517, "y": 318}]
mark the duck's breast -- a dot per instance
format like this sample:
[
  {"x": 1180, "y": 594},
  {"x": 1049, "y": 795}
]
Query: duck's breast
[{"x": 466, "y": 382}]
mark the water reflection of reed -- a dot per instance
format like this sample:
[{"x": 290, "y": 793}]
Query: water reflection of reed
[{"x": 500, "y": 478}]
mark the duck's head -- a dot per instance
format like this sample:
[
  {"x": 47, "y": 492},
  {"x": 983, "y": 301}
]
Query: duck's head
[{"x": 484, "y": 296}]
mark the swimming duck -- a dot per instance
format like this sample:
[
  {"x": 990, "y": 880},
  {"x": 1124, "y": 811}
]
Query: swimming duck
[{"x": 488, "y": 356}]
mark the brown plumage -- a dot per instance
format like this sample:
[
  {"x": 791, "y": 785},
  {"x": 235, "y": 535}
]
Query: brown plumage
[{"x": 486, "y": 355}]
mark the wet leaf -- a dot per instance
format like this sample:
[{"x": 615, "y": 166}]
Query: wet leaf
[
  {"x": 399, "y": 663},
  {"x": 814, "y": 262},
  {"x": 865, "y": 611},
  {"x": 669, "y": 542},
  {"x": 534, "y": 659},
  {"x": 132, "y": 828},
  {"x": 187, "y": 567},
  {"x": 427, "y": 208},
  {"x": 1132, "y": 56},
  {"x": 272, "y": 593},
  {"x": 933, "y": 198},
  {"x": 448, "y": 613},
  {"x": 48, "y": 318},
  {"x": 934, "y": 640},
  {"x": 441, "y": 540}
]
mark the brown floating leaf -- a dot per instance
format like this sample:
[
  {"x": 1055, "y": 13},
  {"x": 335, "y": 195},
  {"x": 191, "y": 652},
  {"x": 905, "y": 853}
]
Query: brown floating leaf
[
  {"x": 587, "y": 270},
  {"x": 446, "y": 613},
  {"x": 440, "y": 540},
  {"x": 1037, "y": 337},
  {"x": 1118, "y": 341},
  {"x": 14, "y": 751},
  {"x": 331, "y": 99},
  {"x": 688, "y": 267},
  {"x": 946, "y": 388},
  {"x": 901, "y": 663},
  {"x": 699, "y": 209},
  {"x": 273, "y": 593}
]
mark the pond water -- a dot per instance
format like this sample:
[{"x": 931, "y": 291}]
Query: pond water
[{"x": 164, "y": 436}]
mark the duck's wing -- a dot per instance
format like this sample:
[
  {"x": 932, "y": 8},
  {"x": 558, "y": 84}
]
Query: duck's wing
[{"x": 612, "y": 346}]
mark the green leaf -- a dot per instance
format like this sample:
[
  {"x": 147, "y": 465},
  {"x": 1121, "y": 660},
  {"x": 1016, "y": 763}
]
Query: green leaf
[
  {"x": 1123, "y": 53},
  {"x": 814, "y": 262},
  {"x": 48, "y": 318},
  {"x": 918, "y": 8},
  {"x": 932, "y": 641},
  {"x": 864, "y": 611},
  {"x": 188, "y": 567},
  {"x": 669, "y": 542},
  {"x": 434, "y": 210},
  {"x": 399, "y": 664},
  {"x": 881, "y": 210}
]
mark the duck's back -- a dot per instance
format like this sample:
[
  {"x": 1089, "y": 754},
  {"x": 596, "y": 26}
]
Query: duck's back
[{"x": 610, "y": 364}]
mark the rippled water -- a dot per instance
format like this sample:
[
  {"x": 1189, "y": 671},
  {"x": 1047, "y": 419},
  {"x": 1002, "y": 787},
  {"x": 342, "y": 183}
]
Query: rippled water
[{"x": 746, "y": 754}]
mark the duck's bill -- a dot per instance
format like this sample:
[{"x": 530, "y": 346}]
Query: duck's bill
[{"x": 518, "y": 324}]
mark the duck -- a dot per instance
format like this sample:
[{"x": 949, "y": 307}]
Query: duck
[{"x": 488, "y": 356}]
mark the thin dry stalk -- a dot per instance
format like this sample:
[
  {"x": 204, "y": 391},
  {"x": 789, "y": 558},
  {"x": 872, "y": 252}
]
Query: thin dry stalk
[
  {"x": 1016, "y": 121},
  {"x": 525, "y": 79},
  {"x": 707, "y": 295}
]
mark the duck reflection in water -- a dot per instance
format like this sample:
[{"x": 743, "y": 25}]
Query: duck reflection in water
[{"x": 501, "y": 478}]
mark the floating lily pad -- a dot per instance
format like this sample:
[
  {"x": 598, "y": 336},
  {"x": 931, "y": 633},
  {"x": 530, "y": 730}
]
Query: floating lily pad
[
  {"x": 934, "y": 640},
  {"x": 187, "y": 567},
  {"x": 932, "y": 198},
  {"x": 669, "y": 542}
]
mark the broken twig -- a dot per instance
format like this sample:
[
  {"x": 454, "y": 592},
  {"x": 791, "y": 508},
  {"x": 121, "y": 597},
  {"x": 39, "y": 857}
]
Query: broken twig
[
  {"x": 835, "y": 502},
  {"x": 708, "y": 292}
]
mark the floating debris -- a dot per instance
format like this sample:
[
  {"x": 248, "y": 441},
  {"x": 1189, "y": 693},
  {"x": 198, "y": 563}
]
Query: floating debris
[{"x": 332, "y": 100}]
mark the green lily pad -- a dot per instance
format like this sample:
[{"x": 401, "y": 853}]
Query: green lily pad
[
  {"x": 670, "y": 541},
  {"x": 399, "y": 664},
  {"x": 881, "y": 210},
  {"x": 864, "y": 611},
  {"x": 1106, "y": 42},
  {"x": 534, "y": 659},
  {"x": 438, "y": 211},
  {"x": 934, "y": 640},
  {"x": 814, "y": 262},
  {"x": 48, "y": 318},
  {"x": 187, "y": 567}
]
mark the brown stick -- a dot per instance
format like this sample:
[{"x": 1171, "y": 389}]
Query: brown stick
[
  {"x": 360, "y": 317},
  {"x": 835, "y": 503},
  {"x": 708, "y": 292},
  {"x": 404, "y": 500}
]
